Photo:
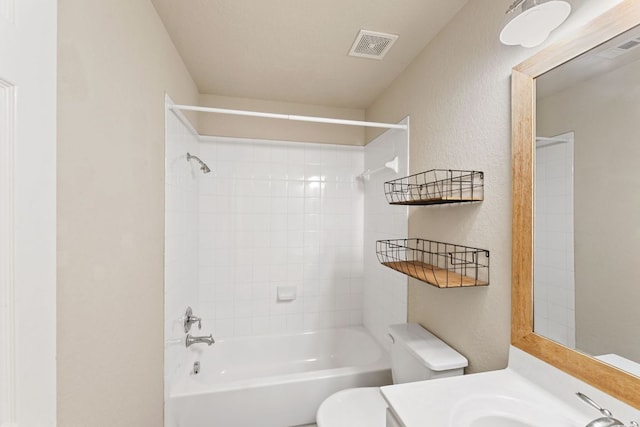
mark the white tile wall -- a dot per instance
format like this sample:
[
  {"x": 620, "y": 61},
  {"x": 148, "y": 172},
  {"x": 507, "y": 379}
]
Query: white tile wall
[
  {"x": 181, "y": 239},
  {"x": 385, "y": 290},
  {"x": 554, "y": 278},
  {"x": 280, "y": 214}
]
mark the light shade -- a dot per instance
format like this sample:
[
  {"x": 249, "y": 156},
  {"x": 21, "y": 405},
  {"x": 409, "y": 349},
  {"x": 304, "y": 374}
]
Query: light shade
[{"x": 531, "y": 21}]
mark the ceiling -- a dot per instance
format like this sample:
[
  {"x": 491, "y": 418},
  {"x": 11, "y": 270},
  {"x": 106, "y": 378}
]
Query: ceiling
[{"x": 296, "y": 50}]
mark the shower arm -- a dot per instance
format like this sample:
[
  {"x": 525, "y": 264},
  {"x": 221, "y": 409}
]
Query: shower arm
[
  {"x": 203, "y": 165},
  {"x": 391, "y": 164}
]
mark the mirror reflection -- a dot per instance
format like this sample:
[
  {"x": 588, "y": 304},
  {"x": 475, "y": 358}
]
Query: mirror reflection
[{"x": 587, "y": 203}]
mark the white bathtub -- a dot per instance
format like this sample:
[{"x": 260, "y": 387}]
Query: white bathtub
[{"x": 276, "y": 380}]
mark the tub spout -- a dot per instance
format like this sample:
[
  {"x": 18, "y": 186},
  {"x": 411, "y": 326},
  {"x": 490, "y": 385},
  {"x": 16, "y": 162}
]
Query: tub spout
[{"x": 196, "y": 340}]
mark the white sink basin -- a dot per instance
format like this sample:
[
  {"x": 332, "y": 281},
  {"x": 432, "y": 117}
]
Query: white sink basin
[
  {"x": 495, "y": 399},
  {"x": 498, "y": 421},
  {"x": 529, "y": 393},
  {"x": 502, "y": 411}
]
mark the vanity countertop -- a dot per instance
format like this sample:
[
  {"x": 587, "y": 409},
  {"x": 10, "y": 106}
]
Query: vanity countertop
[
  {"x": 529, "y": 393},
  {"x": 458, "y": 401}
]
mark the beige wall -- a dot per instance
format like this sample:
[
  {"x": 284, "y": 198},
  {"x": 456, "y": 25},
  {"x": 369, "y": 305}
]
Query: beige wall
[
  {"x": 603, "y": 112},
  {"x": 457, "y": 93},
  {"x": 115, "y": 64},
  {"x": 281, "y": 130}
]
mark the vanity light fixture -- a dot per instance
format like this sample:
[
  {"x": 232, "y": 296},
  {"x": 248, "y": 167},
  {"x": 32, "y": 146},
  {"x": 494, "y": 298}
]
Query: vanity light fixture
[{"x": 529, "y": 22}]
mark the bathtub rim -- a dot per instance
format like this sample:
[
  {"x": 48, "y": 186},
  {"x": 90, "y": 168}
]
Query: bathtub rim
[{"x": 186, "y": 385}]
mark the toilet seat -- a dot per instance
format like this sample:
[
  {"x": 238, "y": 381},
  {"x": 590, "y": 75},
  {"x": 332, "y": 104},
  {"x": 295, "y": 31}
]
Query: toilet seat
[{"x": 354, "y": 407}]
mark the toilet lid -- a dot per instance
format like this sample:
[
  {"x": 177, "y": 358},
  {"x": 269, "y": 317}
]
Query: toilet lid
[{"x": 354, "y": 407}]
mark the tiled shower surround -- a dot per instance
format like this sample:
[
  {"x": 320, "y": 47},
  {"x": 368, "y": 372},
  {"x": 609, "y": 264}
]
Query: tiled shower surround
[
  {"x": 181, "y": 238},
  {"x": 279, "y": 215},
  {"x": 385, "y": 296},
  {"x": 554, "y": 274}
]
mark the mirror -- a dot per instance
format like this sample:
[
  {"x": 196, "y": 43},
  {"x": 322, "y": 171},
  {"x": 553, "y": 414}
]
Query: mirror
[
  {"x": 597, "y": 296},
  {"x": 587, "y": 203}
]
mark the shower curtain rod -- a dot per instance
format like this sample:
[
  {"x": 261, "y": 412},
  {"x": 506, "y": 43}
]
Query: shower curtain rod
[
  {"x": 289, "y": 117},
  {"x": 553, "y": 139}
]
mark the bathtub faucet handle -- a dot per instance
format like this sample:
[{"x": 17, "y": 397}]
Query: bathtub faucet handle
[
  {"x": 199, "y": 320},
  {"x": 190, "y": 319}
]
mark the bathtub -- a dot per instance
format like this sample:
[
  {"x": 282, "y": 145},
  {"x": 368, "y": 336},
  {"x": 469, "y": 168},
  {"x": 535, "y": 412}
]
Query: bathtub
[{"x": 275, "y": 380}]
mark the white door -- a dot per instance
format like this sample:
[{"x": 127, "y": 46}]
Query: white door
[{"x": 27, "y": 212}]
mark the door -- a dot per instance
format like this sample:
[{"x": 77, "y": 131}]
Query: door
[{"x": 27, "y": 212}]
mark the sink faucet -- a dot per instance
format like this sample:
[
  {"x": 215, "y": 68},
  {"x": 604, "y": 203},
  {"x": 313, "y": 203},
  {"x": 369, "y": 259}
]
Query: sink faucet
[
  {"x": 607, "y": 419},
  {"x": 195, "y": 340}
]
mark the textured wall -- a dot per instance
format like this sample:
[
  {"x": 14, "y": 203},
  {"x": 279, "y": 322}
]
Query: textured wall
[
  {"x": 115, "y": 64},
  {"x": 457, "y": 93}
]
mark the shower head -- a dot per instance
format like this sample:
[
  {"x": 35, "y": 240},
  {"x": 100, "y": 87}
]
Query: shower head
[{"x": 203, "y": 166}]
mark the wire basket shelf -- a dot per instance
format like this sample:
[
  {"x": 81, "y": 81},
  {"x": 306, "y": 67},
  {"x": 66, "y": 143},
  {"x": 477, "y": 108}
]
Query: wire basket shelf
[
  {"x": 443, "y": 265},
  {"x": 437, "y": 186}
]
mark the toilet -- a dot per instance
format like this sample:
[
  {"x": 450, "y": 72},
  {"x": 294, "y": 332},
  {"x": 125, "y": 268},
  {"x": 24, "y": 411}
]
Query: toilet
[{"x": 416, "y": 355}]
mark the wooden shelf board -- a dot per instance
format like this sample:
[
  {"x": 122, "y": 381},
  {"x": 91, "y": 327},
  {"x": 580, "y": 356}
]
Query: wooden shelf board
[
  {"x": 437, "y": 201},
  {"x": 433, "y": 275}
]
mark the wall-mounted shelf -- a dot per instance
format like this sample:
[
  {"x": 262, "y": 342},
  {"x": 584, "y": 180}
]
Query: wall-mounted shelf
[
  {"x": 443, "y": 265},
  {"x": 435, "y": 187}
]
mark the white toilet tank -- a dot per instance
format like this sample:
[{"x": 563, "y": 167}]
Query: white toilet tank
[{"x": 417, "y": 354}]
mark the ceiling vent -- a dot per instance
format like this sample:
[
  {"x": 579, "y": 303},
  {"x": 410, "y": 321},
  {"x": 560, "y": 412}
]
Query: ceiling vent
[
  {"x": 372, "y": 45},
  {"x": 621, "y": 49}
]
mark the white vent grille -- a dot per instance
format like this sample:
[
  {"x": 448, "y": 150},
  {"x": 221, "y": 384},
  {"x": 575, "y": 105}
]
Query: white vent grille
[
  {"x": 620, "y": 49},
  {"x": 372, "y": 45}
]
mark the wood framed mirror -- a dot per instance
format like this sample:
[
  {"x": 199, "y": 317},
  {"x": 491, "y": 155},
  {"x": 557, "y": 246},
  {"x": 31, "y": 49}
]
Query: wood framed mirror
[{"x": 616, "y": 382}]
